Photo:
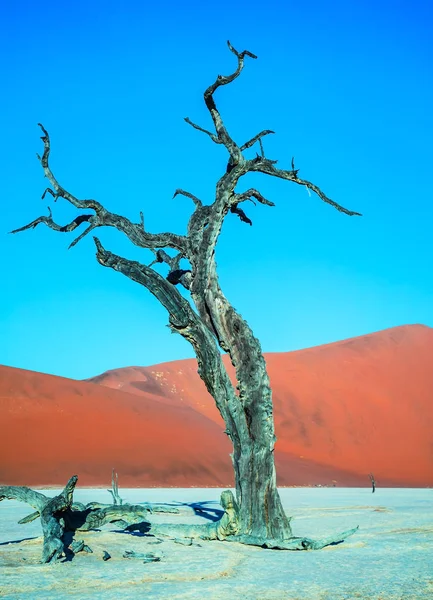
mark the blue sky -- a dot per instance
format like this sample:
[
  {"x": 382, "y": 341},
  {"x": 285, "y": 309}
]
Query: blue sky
[{"x": 348, "y": 89}]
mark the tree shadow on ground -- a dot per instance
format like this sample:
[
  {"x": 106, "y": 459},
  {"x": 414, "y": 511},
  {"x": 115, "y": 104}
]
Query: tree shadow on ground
[
  {"x": 136, "y": 529},
  {"x": 202, "y": 509},
  {"x": 19, "y": 541},
  {"x": 68, "y": 538}
]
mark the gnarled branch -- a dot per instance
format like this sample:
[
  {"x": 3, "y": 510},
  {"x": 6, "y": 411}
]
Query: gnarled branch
[
  {"x": 266, "y": 167},
  {"x": 49, "y": 222},
  {"x": 222, "y": 133},
  {"x": 199, "y": 332},
  {"x": 102, "y": 217}
]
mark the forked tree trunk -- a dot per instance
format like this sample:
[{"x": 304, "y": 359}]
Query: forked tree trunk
[{"x": 214, "y": 325}]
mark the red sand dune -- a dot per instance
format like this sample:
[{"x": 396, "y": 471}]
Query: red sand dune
[{"x": 341, "y": 411}]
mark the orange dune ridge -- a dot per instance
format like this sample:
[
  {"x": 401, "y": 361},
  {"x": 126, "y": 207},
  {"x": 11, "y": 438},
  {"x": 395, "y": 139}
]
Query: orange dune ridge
[{"x": 341, "y": 411}]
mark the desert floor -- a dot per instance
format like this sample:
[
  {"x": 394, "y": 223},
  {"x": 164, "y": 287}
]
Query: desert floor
[{"x": 390, "y": 557}]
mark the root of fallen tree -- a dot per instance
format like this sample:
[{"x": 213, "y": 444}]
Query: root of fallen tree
[{"x": 60, "y": 515}]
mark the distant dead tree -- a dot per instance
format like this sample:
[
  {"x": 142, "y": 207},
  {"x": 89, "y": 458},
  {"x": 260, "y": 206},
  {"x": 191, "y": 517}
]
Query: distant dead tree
[
  {"x": 373, "y": 482},
  {"x": 207, "y": 319}
]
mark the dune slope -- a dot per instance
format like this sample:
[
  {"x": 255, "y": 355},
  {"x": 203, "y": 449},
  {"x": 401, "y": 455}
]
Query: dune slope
[
  {"x": 53, "y": 428},
  {"x": 341, "y": 411}
]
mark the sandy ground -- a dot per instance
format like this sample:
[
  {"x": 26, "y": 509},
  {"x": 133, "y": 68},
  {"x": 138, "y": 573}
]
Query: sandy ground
[{"x": 391, "y": 557}]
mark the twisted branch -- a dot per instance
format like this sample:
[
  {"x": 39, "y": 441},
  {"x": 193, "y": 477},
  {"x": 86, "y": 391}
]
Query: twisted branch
[
  {"x": 222, "y": 133},
  {"x": 48, "y": 221},
  {"x": 102, "y": 217}
]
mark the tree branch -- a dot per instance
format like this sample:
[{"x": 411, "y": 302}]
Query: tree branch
[
  {"x": 241, "y": 214},
  {"x": 252, "y": 193},
  {"x": 23, "y": 494},
  {"x": 212, "y": 136},
  {"x": 165, "y": 292},
  {"x": 184, "y": 320},
  {"x": 222, "y": 133},
  {"x": 102, "y": 217},
  {"x": 63, "y": 228},
  {"x": 267, "y": 167},
  {"x": 248, "y": 195},
  {"x": 196, "y": 200},
  {"x": 256, "y": 138}
]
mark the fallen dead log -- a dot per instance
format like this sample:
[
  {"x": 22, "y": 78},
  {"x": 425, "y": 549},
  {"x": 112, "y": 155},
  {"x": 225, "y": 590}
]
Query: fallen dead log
[
  {"x": 59, "y": 515},
  {"x": 51, "y": 512}
]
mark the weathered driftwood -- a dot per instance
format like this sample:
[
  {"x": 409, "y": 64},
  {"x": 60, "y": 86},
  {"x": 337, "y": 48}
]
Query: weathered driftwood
[
  {"x": 51, "y": 511},
  {"x": 213, "y": 324},
  {"x": 151, "y": 508},
  {"x": 146, "y": 557},
  {"x": 94, "y": 518}
]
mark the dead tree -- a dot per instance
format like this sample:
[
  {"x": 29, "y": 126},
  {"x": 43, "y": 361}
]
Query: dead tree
[
  {"x": 213, "y": 323},
  {"x": 373, "y": 482}
]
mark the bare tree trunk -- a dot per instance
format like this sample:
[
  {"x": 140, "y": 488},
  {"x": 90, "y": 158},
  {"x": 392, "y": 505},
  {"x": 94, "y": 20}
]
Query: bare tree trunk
[{"x": 261, "y": 511}]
